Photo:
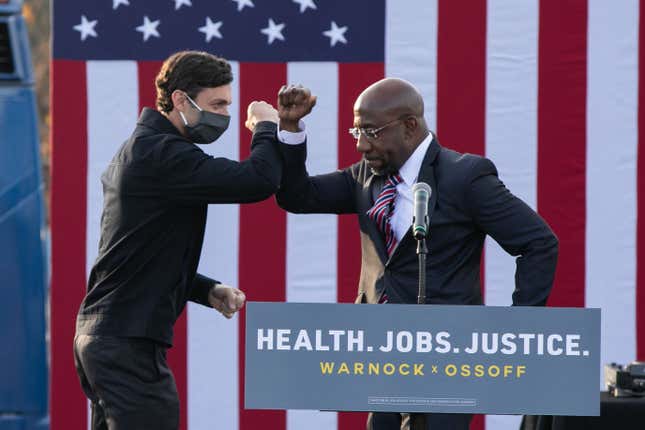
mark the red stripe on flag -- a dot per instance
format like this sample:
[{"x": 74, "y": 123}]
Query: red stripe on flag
[
  {"x": 640, "y": 185},
  {"x": 461, "y": 87},
  {"x": 478, "y": 422},
  {"x": 461, "y": 76},
  {"x": 177, "y": 355},
  {"x": 68, "y": 410},
  {"x": 562, "y": 83},
  {"x": 146, "y": 73},
  {"x": 352, "y": 79},
  {"x": 263, "y": 233}
]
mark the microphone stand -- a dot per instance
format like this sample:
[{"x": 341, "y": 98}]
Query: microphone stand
[
  {"x": 418, "y": 420},
  {"x": 422, "y": 252}
]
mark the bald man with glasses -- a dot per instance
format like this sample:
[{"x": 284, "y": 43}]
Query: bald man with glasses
[{"x": 468, "y": 202}]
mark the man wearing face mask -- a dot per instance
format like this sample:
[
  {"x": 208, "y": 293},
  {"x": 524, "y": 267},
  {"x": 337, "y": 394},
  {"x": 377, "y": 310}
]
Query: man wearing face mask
[{"x": 156, "y": 191}]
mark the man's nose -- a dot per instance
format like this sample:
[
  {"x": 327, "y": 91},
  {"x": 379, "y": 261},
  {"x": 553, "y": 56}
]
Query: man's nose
[{"x": 362, "y": 145}]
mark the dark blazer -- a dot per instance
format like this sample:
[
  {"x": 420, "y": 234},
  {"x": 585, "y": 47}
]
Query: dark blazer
[{"x": 468, "y": 202}]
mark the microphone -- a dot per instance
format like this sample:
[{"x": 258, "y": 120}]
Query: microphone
[{"x": 422, "y": 193}]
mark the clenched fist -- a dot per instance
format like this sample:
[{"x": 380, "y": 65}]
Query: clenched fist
[
  {"x": 227, "y": 300},
  {"x": 260, "y": 111},
  {"x": 294, "y": 102}
]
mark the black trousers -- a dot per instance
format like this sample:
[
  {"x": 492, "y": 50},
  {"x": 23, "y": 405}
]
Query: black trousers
[
  {"x": 396, "y": 421},
  {"x": 128, "y": 382}
]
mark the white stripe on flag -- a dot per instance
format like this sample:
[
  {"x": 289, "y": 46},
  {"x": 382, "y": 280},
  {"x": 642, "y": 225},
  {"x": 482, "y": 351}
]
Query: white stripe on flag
[
  {"x": 111, "y": 116},
  {"x": 411, "y": 48},
  {"x": 511, "y": 121},
  {"x": 612, "y": 144},
  {"x": 212, "y": 339},
  {"x": 511, "y": 133},
  {"x": 311, "y": 239}
]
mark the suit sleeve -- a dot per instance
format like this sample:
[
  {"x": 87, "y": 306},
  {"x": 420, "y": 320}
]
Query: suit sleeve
[
  {"x": 328, "y": 193},
  {"x": 518, "y": 229},
  {"x": 190, "y": 175}
]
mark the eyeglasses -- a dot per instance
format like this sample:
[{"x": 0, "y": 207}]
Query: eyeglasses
[{"x": 371, "y": 133}]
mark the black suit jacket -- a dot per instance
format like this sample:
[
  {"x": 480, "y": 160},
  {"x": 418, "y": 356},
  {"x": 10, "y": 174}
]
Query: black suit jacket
[{"x": 468, "y": 202}]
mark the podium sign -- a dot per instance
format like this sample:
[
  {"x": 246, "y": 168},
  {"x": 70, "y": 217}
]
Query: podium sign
[{"x": 422, "y": 358}]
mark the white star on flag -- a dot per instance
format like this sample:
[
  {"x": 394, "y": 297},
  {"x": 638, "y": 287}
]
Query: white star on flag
[
  {"x": 242, "y": 3},
  {"x": 273, "y": 31},
  {"x": 86, "y": 28},
  {"x": 304, "y": 4},
  {"x": 180, "y": 3},
  {"x": 117, "y": 3},
  {"x": 211, "y": 29},
  {"x": 336, "y": 34},
  {"x": 148, "y": 28}
]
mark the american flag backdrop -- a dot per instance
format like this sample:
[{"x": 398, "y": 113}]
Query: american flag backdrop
[{"x": 549, "y": 90}]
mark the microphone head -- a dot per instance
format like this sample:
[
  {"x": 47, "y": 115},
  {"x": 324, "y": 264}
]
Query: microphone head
[
  {"x": 422, "y": 187},
  {"x": 421, "y": 193}
]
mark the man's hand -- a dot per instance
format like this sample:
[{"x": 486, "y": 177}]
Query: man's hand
[
  {"x": 225, "y": 299},
  {"x": 260, "y": 111},
  {"x": 294, "y": 102}
]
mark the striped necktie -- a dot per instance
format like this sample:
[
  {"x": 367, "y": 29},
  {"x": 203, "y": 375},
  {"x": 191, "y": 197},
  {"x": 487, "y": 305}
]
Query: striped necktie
[
  {"x": 383, "y": 210},
  {"x": 381, "y": 213}
]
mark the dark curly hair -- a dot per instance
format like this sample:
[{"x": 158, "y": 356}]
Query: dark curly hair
[{"x": 190, "y": 71}]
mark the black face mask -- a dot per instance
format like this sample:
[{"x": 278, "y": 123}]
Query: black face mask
[{"x": 209, "y": 126}]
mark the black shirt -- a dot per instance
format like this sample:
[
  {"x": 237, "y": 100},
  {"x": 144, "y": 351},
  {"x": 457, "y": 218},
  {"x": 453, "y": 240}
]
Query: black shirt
[{"x": 156, "y": 190}]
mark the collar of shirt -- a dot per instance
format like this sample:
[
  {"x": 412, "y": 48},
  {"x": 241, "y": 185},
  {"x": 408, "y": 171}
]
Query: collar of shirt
[
  {"x": 412, "y": 166},
  {"x": 156, "y": 120}
]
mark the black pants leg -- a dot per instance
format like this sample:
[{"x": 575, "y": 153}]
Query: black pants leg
[
  {"x": 128, "y": 382},
  {"x": 383, "y": 421}
]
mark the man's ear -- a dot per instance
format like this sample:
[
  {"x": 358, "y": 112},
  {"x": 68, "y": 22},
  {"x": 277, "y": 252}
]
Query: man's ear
[
  {"x": 178, "y": 99},
  {"x": 411, "y": 126}
]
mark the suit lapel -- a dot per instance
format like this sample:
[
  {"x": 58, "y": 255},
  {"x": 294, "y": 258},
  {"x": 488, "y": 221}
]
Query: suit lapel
[{"x": 370, "y": 192}]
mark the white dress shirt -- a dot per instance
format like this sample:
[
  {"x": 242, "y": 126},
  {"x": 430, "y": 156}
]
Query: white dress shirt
[{"x": 401, "y": 219}]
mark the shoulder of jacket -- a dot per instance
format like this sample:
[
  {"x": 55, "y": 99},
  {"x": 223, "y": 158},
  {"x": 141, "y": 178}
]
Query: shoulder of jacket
[{"x": 451, "y": 160}]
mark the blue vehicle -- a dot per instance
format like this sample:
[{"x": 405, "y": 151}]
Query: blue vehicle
[{"x": 23, "y": 268}]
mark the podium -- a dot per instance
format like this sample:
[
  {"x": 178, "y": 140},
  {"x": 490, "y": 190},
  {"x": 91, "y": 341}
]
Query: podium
[{"x": 422, "y": 358}]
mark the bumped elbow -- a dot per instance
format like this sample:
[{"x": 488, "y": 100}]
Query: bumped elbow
[
  {"x": 287, "y": 202},
  {"x": 281, "y": 201},
  {"x": 266, "y": 179},
  {"x": 266, "y": 189},
  {"x": 256, "y": 188}
]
